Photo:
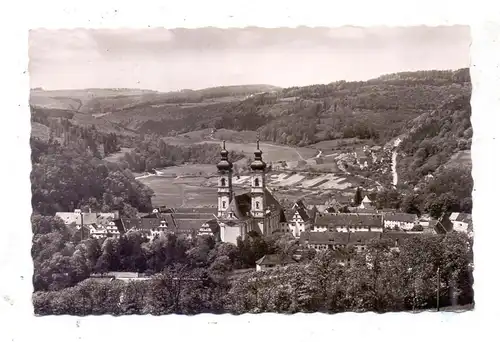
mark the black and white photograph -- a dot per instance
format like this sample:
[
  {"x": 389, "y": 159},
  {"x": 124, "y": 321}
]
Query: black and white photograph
[{"x": 251, "y": 170}]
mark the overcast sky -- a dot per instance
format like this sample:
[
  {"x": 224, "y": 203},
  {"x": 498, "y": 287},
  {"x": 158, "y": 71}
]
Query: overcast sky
[{"x": 166, "y": 60}]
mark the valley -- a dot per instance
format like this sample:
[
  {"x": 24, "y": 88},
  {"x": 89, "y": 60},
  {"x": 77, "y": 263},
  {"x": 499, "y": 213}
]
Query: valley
[{"x": 319, "y": 141}]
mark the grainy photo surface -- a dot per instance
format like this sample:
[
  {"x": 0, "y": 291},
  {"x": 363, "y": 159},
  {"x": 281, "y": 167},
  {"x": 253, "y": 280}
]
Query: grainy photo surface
[{"x": 251, "y": 170}]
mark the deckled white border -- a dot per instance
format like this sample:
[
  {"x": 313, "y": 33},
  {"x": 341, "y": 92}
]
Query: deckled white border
[{"x": 16, "y": 320}]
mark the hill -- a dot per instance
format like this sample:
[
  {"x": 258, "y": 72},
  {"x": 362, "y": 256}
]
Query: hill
[
  {"x": 376, "y": 109},
  {"x": 436, "y": 139},
  {"x": 318, "y": 132},
  {"x": 103, "y": 101}
]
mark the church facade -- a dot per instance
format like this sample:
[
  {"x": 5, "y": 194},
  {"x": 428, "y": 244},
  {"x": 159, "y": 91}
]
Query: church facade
[{"x": 256, "y": 210}]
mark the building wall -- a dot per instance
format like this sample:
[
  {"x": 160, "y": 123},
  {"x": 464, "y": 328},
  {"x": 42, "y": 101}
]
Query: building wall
[
  {"x": 323, "y": 246},
  {"x": 460, "y": 226},
  {"x": 258, "y": 205},
  {"x": 230, "y": 233},
  {"x": 224, "y": 191},
  {"x": 401, "y": 225},
  {"x": 274, "y": 222},
  {"x": 346, "y": 229}
]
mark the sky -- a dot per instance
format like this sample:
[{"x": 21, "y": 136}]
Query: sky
[{"x": 168, "y": 60}]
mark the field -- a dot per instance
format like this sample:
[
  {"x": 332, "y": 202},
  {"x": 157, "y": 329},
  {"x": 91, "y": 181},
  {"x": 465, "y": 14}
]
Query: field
[
  {"x": 173, "y": 192},
  {"x": 195, "y": 185},
  {"x": 271, "y": 153},
  {"x": 89, "y": 100}
]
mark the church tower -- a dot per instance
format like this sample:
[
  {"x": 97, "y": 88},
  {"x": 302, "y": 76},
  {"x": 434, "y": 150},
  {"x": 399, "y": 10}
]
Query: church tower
[
  {"x": 225, "y": 185},
  {"x": 258, "y": 208}
]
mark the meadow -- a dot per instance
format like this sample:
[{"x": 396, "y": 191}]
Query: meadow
[{"x": 173, "y": 193}]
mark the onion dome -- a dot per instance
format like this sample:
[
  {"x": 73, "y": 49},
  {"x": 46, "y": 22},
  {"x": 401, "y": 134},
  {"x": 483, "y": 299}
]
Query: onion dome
[
  {"x": 258, "y": 164},
  {"x": 224, "y": 164}
]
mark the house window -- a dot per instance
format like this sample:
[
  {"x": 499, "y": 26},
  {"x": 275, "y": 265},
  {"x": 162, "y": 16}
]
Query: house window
[
  {"x": 223, "y": 182},
  {"x": 256, "y": 182}
]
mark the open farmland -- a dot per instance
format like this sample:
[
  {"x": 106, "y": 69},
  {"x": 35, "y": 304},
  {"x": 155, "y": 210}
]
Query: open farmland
[
  {"x": 328, "y": 181},
  {"x": 172, "y": 193},
  {"x": 272, "y": 153}
]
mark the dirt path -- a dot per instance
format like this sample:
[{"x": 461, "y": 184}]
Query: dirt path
[{"x": 394, "y": 169}]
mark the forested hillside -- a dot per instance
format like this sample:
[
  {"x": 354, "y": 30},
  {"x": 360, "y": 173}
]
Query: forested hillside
[
  {"x": 428, "y": 110},
  {"x": 153, "y": 152},
  {"x": 377, "y": 109},
  {"x": 67, "y": 177},
  {"x": 432, "y": 138}
]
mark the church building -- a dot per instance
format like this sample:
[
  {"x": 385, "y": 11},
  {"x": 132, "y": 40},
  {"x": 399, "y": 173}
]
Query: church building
[{"x": 256, "y": 210}]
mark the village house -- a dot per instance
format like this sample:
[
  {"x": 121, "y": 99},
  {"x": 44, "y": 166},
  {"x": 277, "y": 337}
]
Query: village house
[
  {"x": 149, "y": 227},
  {"x": 321, "y": 241},
  {"x": 462, "y": 222},
  {"x": 366, "y": 203},
  {"x": 348, "y": 223},
  {"x": 347, "y": 243},
  {"x": 359, "y": 241},
  {"x": 103, "y": 229},
  {"x": 366, "y": 207},
  {"x": 122, "y": 276},
  {"x": 209, "y": 228},
  {"x": 187, "y": 222},
  {"x": 343, "y": 244},
  {"x": 397, "y": 238},
  {"x": 97, "y": 231},
  {"x": 299, "y": 218},
  {"x": 362, "y": 211},
  {"x": 77, "y": 217},
  {"x": 272, "y": 261},
  {"x": 401, "y": 221},
  {"x": 362, "y": 157}
]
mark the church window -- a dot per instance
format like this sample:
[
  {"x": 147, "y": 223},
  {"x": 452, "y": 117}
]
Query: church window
[
  {"x": 223, "y": 204},
  {"x": 256, "y": 205},
  {"x": 256, "y": 182},
  {"x": 223, "y": 182}
]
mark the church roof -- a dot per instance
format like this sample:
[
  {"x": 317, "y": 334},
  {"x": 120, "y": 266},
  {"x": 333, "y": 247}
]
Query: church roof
[
  {"x": 224, "y": 164},
  {"x": 258, "y": 164},
  {"x": 241, "y": 205}
]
